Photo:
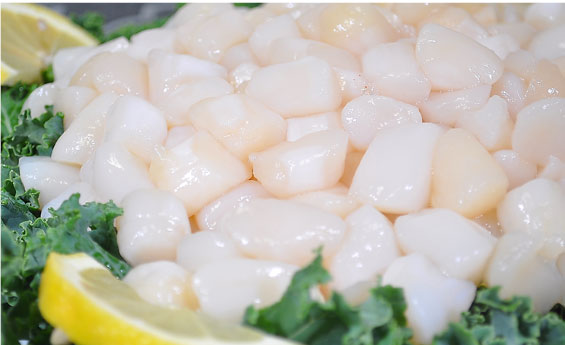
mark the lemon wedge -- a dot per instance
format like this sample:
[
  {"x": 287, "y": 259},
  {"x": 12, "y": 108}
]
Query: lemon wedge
[
  {"x": 83, "y": 299},
  {"x": 31, "y": 34}
]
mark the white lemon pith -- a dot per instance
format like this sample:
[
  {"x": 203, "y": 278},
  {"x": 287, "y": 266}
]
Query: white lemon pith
[
  {"x": 30, "y": 36},
  {"x": 81, "y": 297}
]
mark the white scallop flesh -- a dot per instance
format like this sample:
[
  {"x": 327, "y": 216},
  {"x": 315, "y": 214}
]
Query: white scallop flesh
[
  {"x": 198, "y": 171},
  {"x": 282, "y": 230},
  {"x": 298, "y": 127},
  {"x": 544, "y": 16},
  {"x": 352, "y": 160},
  {"x": 242, "y": 124},
  {"x": 394, "y": 71},
  {"x": 334, "y": 200},
  {"x": 545, "y": 82},
  {"x": 404, "y": 186},
  {"x": 310, "y": 87},
  {"x": 205, "y": 247},
  {"x": 445, "y": 107},
  {"x": 116, "y": 172},
  {"x": 491, "y": 124},
  {"x": 85, "y": 134},
  {"x": 517, "y": 169},
  {"x": 513, "y": 89},
  {"x": 538, "y": 132},
  {"x": 456, "y": 19},
  {"x": 151, "y": 227},
  {"x": 367, "y": 249},
  {"x": 177, "y": 135},
  {"x": 309, "y": 21},
  {"x": 250, "y": 282},
  {"x": 459, "y": 247},
  {"x": 237, "y": 55},
  {"x": 522, "y": 63},
  {"x": 313, "y": 162},
  {"x": 352, "y": 84},
  {"x": 163, "y": 283},
  {"x": 452, "y": 60},
  {"x": 209, "y": 216},
  {"x": 500, "y": 44},
  {"x": 433, "y": 300},
  {"x": 115, "y": 72},
  {"x": 553, "y": 170},
  {"x": 516, "y": 267},
  {"x": 466, "y": 178},
  {"x": 363, "y": 117},
  {"x": 71, "y": 100},
  {"x": 520, "y": 31},
  {"x": 266, "y": 33},
  {"x": 259, "y": 15},
  {"x": 49, "y": 177},
  {"x": 39, "y": 98},
  {"x": 147, "y": 40},
  {"x": 489, "y": 221},
  {"x": 195, "y": 11},
  {"x": 85, "y": 190},
  {"x": 210, "y": 39},
  {"x": 241, "y": 74}
]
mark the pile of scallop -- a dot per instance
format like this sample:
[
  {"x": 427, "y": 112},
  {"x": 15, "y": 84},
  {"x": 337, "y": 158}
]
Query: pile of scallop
[{"x": 424, "y": 144}]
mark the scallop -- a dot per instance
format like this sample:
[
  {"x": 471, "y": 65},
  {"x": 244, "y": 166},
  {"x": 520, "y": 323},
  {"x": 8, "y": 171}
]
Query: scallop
[
  {"x": 194, "y": 12},
  {"x": 147, "y": 40},
  {"x": 71, "y": 101},
  {"x": 368, "y": 248},
  {"x": 49, "y": 177},
  {"x": 433, "y": 300},
  {"x": 310, "y": 86},
  {"x": 553, "y": 170},
  {"x": 242, "y": 124},
  {"x": 203, "y": 248},
  {"x": 299, "y": 127},
  {"x": 364, "y": 116},
  {"x": 334, "y": 200},
  {"x": 394, "y": 71},
  {"x": 407, "y": 153},
  {"x": 242, "y": 74},
  {"x": 163, "y": 283},
  {"x": 459, "y": 247},
  {"x": 546, "y": 81},
  {"x": 352, "y": 84},
  {"x": 466, "y": 179},
  {"x": 520, "y": 31},
  {"x": 237, "y": 55},
  {"x": 136, "y": 124},
  {"x": 452, "y": 60},
  {"x": 197, "y": 171},
  {"x": 281, "y": 230},
  {"x": 177, "y": 135},
  {"x": 266, "y": 33},
  {"x": 316, "y": 161},
  {"x": 39, "y": 98},
  {"x": 85, "y": 190},
  {"x": 517, "y": 169},
  {"x": 544, "y": 16},
  {"x": 511, "y": 88}
]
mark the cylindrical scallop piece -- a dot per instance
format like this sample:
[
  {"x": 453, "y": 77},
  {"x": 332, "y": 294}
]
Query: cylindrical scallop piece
[
  {"x": 298, "y": 127},
  {"x": 85, "y": 190},
  {"x": 147, "y": 40},
  {"x": 368, "y": 247},
  {"x": 466, "y": 178},
  {"x": 316, "y": 161},
  {"x": 545, "y": 15},
  {"x": 204, "y": 247},
  {"x": 452, "y": 60},
  {"x": 310, "y": 86},
  {"x": 396, "y": 171},
  {"x": 353, "y": 84},
  {"x": 282, "y": 230},
  {"x": 39, "y": 98},
  {"x": 50, "y": 178},
  {"x": 71, "y": 100},
  {"x": 266, "y": 33},
  {"x": 364, "y": 116},
  {"x": 513, "y": 89},
  {"x": 335, "y": 200},
  {"x": 237, "y": 55},
  {"x": 177, "y": 135},
  {"x": 549, "y": 44},
  {"x": 198, "y": 171},
  {"x": 153, "y": 224},
  {"x": 163, "y": 283},
  {"x": 459, "y": 247},
  {"x": 546, "y": 82},
  {"x": 517, "y": 169}
]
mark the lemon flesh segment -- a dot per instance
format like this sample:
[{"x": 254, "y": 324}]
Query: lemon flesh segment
[
  {"x": 81, "y": 297},
  {"x": 31, "y": 34}
]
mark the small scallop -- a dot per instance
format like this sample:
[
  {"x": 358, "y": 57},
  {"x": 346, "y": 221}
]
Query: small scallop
[
  {"x": 153, "y": 224},
  {"x": 352, "y": 84},
  {"x": 240, "y": 75},
  {"x": 520, "y": 31},
  {"x": 145, "y": 41},
  {"x": 237, "y": 55},
  {"x": 546, "y": 81},
  {"x": 163, "y": 283},
  {"x": 513, "y": 89},
  {"x": 197, "y": 171},
  {"x": 205, "y": 247},
  {"x": 466, "y": 178},
  {"x": 136, "y": 124},
  {"x": 209, "y": 216},
  {"x": 543, "y": 16},
  {"x": 517, "y": 169},
  {"x": 364, "y": 116},
  {"x": 457, "y": 19},
  {"x": 194, "y": 12},
  {"x": 242, "y": 124},
  {"x": 115, "y": 72},
  {"x": 445, "y": 107},
  {"x": 433, "y": 300},
  {"x": 39, "y": 98},
  {"x": 522, "y": 63},
  {"x": 298, "y": 127},
  {"x": 49, "y": 177},
  {"x": 459, "y": 247},
  {"x": 177, "y": 135},
  {"x": 489, "y": 221},
  {"x": 249, "y": 282},
  {"x": 310, "y": 87},
  {"x": 85, "y": 190},
  {"x": 315, "y": 161},
  {"x": 334, "y": 200},
  {"x": 309, "y": 21},
  {"x": 404, "y": 185},
  {"x": 491, "y": 124},
  {"x": 266, "y": 33},
  {"x": 116, "y": 172},
  {"x": 452, "y": 60},
  {"x": 77, "y": 144},
  {"x": 71, "y": 101},
  {"x": 553, "y": 170},
  {"x": 368, "y": 247},
  {"x": 538, "y": 132},
  {"x": 282, "y": 230},
  {"x": 394, "y": 71}
]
